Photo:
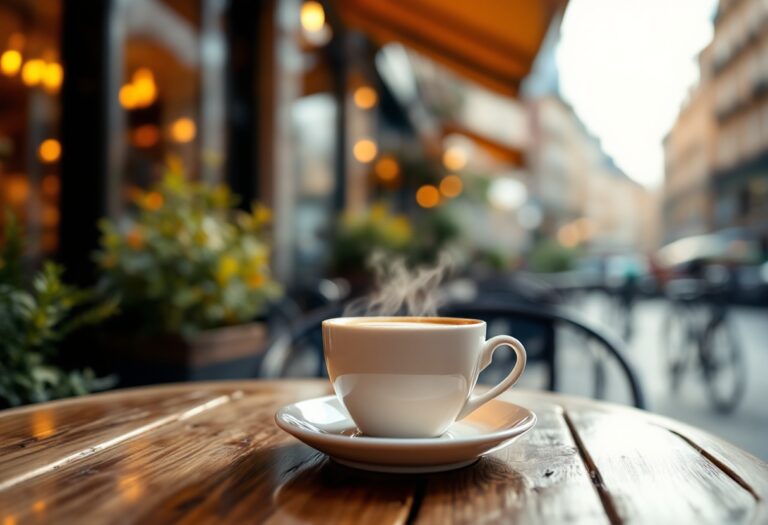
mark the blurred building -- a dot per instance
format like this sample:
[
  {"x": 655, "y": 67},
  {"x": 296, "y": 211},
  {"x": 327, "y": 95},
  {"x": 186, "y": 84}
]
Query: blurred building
[
  {"x": 690, "y": 153},
  {"x": 717, "y": 152},
  {"x": 740, "y": 63},
  {"x": 312, "y": 107},
  {"x": 585, "y": 199}
]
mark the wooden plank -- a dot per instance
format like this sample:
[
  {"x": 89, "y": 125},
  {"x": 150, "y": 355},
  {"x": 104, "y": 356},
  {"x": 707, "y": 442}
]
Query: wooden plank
[
  {"x": 652, "y": 476},
  {"x": 33, "y": 439},
  {"x": 540, "y": 478},
  {"x": 229, "y": 464}
]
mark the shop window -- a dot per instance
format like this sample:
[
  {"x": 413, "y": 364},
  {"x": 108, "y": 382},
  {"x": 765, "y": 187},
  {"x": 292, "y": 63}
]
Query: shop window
[
  {"x": 168, "y": 103},
  {"x": 31, "y": 76}
]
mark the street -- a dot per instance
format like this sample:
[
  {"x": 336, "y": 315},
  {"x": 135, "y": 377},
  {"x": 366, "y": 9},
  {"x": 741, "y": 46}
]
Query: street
[{"x": 747, "y": 426}]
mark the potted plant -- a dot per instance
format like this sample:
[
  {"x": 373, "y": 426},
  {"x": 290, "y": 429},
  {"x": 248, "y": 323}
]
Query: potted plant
[
  {"x": 193, "y": 275},
  {"x": 360, "y": 234},
  {"x": 34, "y": 318}
]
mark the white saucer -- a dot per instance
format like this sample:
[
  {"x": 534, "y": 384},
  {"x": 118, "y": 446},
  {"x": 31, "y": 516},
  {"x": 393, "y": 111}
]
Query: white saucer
[{"x": 324, "y": 424}]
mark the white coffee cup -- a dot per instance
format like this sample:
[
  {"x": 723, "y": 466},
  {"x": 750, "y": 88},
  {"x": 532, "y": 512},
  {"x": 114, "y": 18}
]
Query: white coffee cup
[{"x": 411, "y": 377}]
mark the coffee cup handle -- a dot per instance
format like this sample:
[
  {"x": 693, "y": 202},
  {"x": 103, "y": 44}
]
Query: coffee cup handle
[{"x": 474, "y": 402}]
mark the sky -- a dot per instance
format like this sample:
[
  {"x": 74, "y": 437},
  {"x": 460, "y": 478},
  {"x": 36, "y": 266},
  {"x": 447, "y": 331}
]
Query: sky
[{"x": 626, "y": 66}]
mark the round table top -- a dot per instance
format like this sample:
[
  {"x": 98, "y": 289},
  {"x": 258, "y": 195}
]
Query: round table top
[{"x": 211, "y": 452}]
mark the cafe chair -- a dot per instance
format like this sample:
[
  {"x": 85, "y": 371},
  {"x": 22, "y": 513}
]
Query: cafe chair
[{"x": 536, "y": 327}]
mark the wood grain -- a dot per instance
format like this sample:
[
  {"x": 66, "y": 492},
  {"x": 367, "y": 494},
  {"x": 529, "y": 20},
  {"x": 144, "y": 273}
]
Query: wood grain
[
  {"x": 652, "y": 476},
  {"x": 211, "y": 453},
  {"x": 539, "y": 479},
  {"x": 47, "y": 436}
]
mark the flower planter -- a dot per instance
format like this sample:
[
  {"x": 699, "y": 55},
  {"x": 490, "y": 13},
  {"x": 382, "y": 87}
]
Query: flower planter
[{"x": 223, "y": 353}]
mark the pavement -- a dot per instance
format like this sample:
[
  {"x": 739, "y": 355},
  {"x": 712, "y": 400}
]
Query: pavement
[{"x": 747, "y": 426}]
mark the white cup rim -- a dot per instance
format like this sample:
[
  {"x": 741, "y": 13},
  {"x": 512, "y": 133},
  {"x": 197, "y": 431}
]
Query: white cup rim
[{"x": 448, "y": 323}]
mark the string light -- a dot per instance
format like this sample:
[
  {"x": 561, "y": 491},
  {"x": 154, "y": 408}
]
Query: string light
[
  {"x": 49, "y": 150},
  {"x": 427, "y": 196},
  {"x": 365, "y": 150},
  {"x": 183, "y": 129},
  {"x": 365, "y": 97},
  {"x": 451, "y": 186},
  {"x": 312, "y": 16},
  {"x": 10, "y": 62}
]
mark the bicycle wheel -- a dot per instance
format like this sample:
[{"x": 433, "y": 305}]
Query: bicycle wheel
[
  {"x": 723, "y": 364},
  {"x": 676, "y": 346}
]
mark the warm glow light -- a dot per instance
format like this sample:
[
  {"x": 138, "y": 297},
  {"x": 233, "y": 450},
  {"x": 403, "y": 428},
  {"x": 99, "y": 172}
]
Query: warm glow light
[
  {"x": 427, "y": 196},
  {"x": 9, "y": 520},
  {"x": 39, "y": 506},
  {"x": 365, "y": 97},
  {"x": 183, "y": 130},
  {"x": 128, "y": 98},
  {"x": 49, "y": 150},
  {"x": 144, "y": 87},
  {"x": 10, "y": 62},
  {"x": 154, "y": 201},
  {"x": 386, "y": 168},
  {"x": 32, "y": 72},
  {"x": 145, "y": 136},
  {"x": 312, "y": 16},
  {"x": 130, "y": 487},
  {"x": 50, "y": 216},
  {"x": 568, "y": 236},
  {"x": 454, "y": 158},
  {"x": 451, "y": 186},
  {"x": 43, "y": 425},
  {"x": 51, "y": 185},
  {"x": 365, "y": 150},
  {"x": 16, "y": 190},
  {"x": 17, "y": 41},
  {"x": 53, "y": 76}
]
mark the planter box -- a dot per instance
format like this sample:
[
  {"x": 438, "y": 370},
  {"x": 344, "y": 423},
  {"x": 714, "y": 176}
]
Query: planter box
[{"x": 231, "y": 352}]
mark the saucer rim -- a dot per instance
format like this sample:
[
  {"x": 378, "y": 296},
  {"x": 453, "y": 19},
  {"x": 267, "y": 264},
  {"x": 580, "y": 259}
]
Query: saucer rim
[{"x": 527, "y": 423}]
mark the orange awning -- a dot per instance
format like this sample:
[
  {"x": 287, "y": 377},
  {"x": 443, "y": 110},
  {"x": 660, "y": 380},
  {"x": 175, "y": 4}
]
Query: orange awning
[{"x": 492, "y": 42}]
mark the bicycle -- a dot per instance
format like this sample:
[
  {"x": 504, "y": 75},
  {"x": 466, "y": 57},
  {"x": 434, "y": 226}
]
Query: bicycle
[{"x": 698, "y": 331}]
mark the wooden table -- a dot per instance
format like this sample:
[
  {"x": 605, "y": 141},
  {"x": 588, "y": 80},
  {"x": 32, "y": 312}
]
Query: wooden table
[{"x": 211, "y": 453}]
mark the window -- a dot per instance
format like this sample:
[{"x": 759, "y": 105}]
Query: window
[
  {"x": 168, "y": 102},
  {"x": 30, "y": 81}
]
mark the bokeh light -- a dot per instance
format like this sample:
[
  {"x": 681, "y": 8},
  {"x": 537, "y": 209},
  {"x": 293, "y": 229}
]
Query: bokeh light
[
  {"x": 10, "y": 62},
  {"x": 365, "y": 97},
  {"x": 365, "y": 150},
  {"x": 451, "y": 186},
  {"x": 145, "y": 136},
  {"x": 507, "y": 194},
  {"x": 49, "y": 150},
  {"x": 428, "y": 196},
  {"x": 53, "y": 77},
  {"x": 454, "y": 158},
  {"x": 312, "y": 16},
  {"x": 387, "y": 168},
  {"x": 183, "y": 129},
  {"x": 32, "y": 72},
  {"x": 127, "y": 96}
]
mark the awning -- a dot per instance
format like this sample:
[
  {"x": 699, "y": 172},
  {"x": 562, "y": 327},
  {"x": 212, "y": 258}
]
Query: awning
[{"x": 492, "y": 42}]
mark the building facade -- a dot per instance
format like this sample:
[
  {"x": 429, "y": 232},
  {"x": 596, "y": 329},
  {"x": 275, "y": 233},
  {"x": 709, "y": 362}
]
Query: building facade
[
  {"x": 717, "y": 151},
  {"x": 689, "y": 155}
]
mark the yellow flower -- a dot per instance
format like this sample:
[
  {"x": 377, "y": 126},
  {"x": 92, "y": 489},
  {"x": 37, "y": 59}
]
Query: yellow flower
[
  {"x": 378, "y": 212},
  {"x": 135, "y": 239},
  {"x": 262, "y": 215},
  {"x": 201, "y": 238},
  {"x": 153, "y": 201},
  {"x": 401, "y": 228},
  {"x": 255, "y": 280},
  {"x": 227, "y": 268},
  {"x": 220, "y": 196}
]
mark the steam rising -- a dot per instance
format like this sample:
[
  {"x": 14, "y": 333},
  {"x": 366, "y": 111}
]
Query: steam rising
[{"x": 401, "y": 291}]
